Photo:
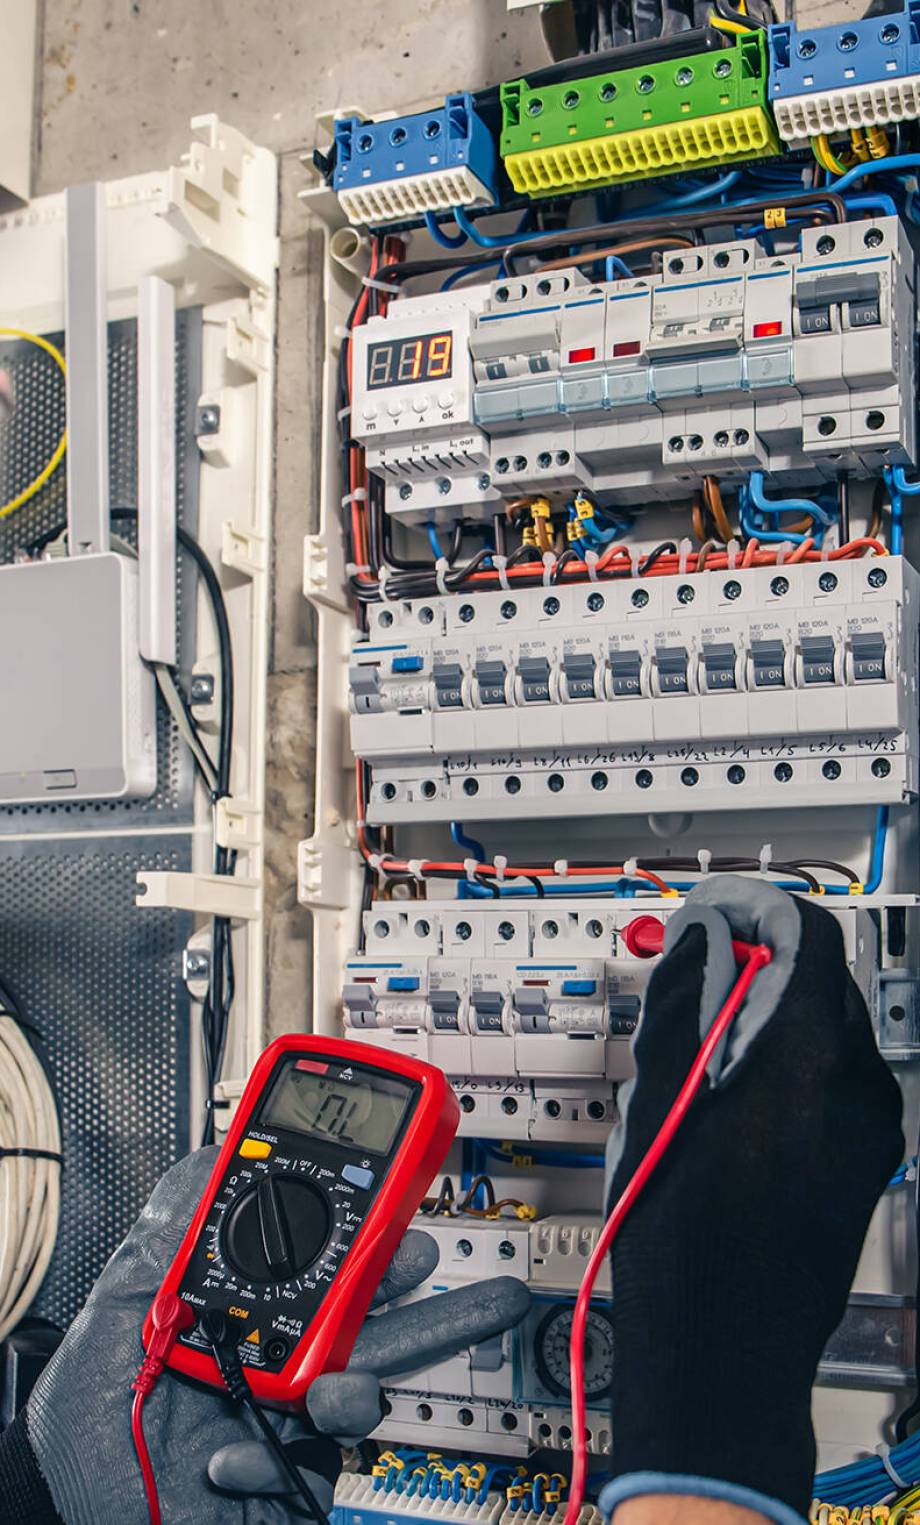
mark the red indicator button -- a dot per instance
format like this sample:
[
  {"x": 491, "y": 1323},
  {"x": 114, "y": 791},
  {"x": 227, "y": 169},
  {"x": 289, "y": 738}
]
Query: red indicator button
[
  {"x": 627, "y": 347},
  {"x": 768, "y": 330},
  {"x": 579, "y": 356},
  {"x": 315, "y": 1066}
]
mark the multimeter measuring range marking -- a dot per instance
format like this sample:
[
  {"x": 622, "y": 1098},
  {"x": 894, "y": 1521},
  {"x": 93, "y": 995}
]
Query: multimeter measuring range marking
[{"x": 332, "y": 1149}]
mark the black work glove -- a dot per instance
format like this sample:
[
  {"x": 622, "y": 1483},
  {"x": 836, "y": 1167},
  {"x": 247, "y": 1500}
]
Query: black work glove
[{"x": 734, "y": 1267}]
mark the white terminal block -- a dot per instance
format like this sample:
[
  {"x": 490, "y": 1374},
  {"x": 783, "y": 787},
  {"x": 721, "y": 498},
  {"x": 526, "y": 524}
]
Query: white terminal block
[
  {"x": 771, "y": 686},
  {"x": 730, "y": 360}
]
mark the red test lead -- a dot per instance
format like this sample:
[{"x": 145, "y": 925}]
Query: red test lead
[{"x": 644, "y": 937}]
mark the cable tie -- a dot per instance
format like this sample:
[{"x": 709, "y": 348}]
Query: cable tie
[
  {"x": 441, "y": 569},
  {"x": 704, "y": 858},
  {"x": 358, "y": 496},
  {"x": 374, "y": 285},
  {"x": 500, "y": 564},
  {"x": 591, "y": 560},
  {"x": 629, "y": 868},
  {"x": 686, "y": 546},
  {"x": 375, "y": 861},
  {"x": 414, "y": 865},
  {"x": 356, "y": 568},
  {"x": 32, "y": 1154},
  {"x": 342, "y": 331},
  {"x": 783, "y": 550},
  {"x": 549, "y": 562},
  {"x": 732, "y": 550},
  {"x": 383, "y": 577},
  {"x": 501, "y": 863},
  {"x": 766, "y": 857},
  {"x": 825, "y": 549},
  {"x": 561, "y": 867},
  {"x": 343, "y": 413},
  {"x": 635, "y": 562},
  {"x": 883, "y": 1452},
  {"x": 470, "y": 866}
]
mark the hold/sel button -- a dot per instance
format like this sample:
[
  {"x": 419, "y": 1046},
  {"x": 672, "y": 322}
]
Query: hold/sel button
[
  {"x": 255, "y": 1149},
  {"x": 356, "y": 1175}
]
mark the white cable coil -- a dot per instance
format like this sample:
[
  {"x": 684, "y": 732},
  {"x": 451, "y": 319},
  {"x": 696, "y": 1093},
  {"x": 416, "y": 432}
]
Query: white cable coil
[{"x": 30, "y": 1189}]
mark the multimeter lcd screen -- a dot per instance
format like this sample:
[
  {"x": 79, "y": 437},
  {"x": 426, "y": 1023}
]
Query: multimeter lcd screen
[
  {"x": 366, "y": 1112},
  {"x": 397, "y": 362}
]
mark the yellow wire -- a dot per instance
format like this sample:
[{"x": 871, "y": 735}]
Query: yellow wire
[
  {"x": 56, "y": 458},
  {"x": 730, "y": 26},
  {"x": 822, "y": 152}
]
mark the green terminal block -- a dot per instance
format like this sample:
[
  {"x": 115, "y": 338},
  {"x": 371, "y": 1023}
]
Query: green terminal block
[{"x": 705, "y": 109}]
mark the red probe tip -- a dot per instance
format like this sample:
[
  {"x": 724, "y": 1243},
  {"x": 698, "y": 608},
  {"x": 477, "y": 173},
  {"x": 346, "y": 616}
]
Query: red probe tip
[{"x": 644, "y": 936}]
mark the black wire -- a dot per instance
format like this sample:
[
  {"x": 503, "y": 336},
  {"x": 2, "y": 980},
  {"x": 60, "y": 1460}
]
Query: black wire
[
  {"x": 843, "y": 505},
  {"x": 666, "y": 548}
]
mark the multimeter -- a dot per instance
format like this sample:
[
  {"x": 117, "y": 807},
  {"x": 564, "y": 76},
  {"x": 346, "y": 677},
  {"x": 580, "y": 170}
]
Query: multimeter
[{"x": 332, "y": 1148}]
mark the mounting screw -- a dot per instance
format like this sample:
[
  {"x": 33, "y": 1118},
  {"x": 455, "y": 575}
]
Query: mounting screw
[
  {"x": 196, "y": 964},
  {"x": 201, "y": 688},
  {"x": 207, "y": 419}
]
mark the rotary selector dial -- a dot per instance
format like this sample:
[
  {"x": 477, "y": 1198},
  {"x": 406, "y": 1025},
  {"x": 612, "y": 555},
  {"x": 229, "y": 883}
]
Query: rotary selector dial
[
  {"x": 552, "y": 1342},
  {"x": 276, "y": 1228}
]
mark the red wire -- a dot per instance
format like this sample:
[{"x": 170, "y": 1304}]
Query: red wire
[
  {"x": 756, "y": 958},
  {"x": 143, "y": 1456}
]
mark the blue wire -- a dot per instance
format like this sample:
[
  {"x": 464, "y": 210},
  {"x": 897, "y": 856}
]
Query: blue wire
[
  {"x": 545, "y": 1156},
  {"x": 482, "y": 264},
  {"x": 446, "y": 240},
  {"x": 491, "y": 240},
  {"x": 899, "y": 488},
  {"x": 474, "y": 848},
  {"x": 436, "y": 551},
  {"x": 877, "y": 199},
  {"x": 693, "y": 198},
  {"x": 614, "y": 265}
]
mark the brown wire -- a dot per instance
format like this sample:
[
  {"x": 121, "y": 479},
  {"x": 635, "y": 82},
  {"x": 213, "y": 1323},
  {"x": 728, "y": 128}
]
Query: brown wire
[
  {"x": 634, "y": 246},
  {"x": 716, "y": 507}
]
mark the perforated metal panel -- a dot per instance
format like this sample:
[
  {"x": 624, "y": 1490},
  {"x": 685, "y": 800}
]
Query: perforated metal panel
[
  {"x": 102, "y": 980},
  {"x": 100, "y": 976},
  {"x": 27, "y": 441}
]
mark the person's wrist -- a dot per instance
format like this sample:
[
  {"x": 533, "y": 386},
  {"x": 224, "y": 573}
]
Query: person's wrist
[{"x": 672, "y": 1509}]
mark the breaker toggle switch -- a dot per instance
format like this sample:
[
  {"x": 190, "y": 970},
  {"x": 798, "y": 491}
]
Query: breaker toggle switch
[
  {"x": 359, "y": 1003},
  {"x": 445, "y": 1011},
  {"x": 448, "y": 680},
  {"x": 487, "y": 1010},
  {"x": 672, "y": 662},
  {"x": 532, "y": 1010},
  {"x": 534, "y": 676},
  {"x": 623, "y": 1015},
  {"x": 625, "y": 672},
  {"x": 365, "y": 689},
  {"x": 768, "y": 660},
  {"x": 490, "y": 676},
  {"x": 868, "y": 648},
  {"x": 719, "y": 659},
  {"x": 817, "y": 659},
  {"x": 579, "y": 670}
]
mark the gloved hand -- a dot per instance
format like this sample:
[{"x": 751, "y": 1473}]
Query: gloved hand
[
  {"x": 734, "y": 1267},
  {"x": 78, "y": 1417}
]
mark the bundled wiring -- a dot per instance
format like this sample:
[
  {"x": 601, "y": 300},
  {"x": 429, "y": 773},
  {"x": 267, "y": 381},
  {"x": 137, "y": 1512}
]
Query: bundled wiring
[
  {"x": 30, "y": 1165},
  {"x": 447, "y": 1204}
]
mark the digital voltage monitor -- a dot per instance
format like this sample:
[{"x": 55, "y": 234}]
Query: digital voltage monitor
[
  {"x": 397, "y": 362},
  {"x": 332, "y": 1148}
]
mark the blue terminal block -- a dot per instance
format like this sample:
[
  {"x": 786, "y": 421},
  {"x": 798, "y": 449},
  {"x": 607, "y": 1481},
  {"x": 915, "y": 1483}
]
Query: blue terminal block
[
  {"x": 391, "y": 171},
  {"x": 830, "y": 79}
]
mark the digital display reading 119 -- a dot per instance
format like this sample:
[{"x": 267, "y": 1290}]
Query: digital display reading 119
[{"x": 397, "y": 362}]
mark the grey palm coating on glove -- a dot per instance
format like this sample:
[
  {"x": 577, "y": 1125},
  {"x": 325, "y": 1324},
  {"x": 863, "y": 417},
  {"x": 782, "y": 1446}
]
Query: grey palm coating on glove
[
  {"x": 79, "y": 1415},
  {"x": 726, "y": 906}
]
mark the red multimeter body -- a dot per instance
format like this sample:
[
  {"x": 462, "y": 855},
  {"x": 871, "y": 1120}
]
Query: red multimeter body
[{"x": 332, "y": 1148}]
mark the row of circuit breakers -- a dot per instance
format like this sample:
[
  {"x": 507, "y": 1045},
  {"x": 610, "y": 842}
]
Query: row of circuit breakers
[
  {"x": 730, "y": 361},
  {"x": 695, "y": 99},
  {"x": 714, "y": 692}
]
